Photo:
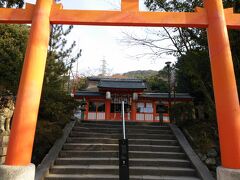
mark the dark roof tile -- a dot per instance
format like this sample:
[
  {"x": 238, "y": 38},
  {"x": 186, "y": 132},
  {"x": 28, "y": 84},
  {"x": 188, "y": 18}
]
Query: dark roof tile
[
  {"x": 88, "y": 93},
  {"x": 122, "y": 84},
  {"x": 165, "y": 95}
]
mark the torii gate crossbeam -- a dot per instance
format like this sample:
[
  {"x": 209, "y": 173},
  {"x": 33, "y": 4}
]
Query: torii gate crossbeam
[
  {"x": 212, "y": 16},
  {"x": 126, "y": 17}
]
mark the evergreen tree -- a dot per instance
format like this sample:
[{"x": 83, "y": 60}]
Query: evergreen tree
[
  {"x": 158, "y": 82},
  {"x": 56, "y": 103},
  {"x": 13, "y": 42},
  {"x": 60, "y": 59},
  {"x": 11, "y": 3},
  {"x": 190, "y": 47}
]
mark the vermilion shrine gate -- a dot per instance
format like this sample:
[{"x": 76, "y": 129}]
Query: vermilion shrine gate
[{"x": 213, "y": 17}]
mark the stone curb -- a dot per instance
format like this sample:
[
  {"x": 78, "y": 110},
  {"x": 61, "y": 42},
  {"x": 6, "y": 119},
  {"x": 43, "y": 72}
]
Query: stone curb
[
  {"x": 228, "y": 174},
  {"x": 201, "y": 168},
  {"x": 43, "y": 168},
  {"x": 9, "y": 172}
]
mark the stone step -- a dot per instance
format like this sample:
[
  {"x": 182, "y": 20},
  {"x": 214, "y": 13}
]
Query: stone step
[
  {"x": 153, "y": 155},
  {"x": 114, "y": 177},
  {"x": 91, "y": 153},
  {"x": 117, "y": 136},
  {"x": 150, "y": 177},
  {"x": 119, "y": 126},
  {"x": 128, "y": 132},
  {"x": 155, "y": 148},
  {"x": 92, "y": 140},
  {"x": 102, "y": 154},
  {"x": 90, "y": 147},
  {"x": 159, "y": 162},
  {"x": 82, "y": 176},
  {"x": 113, "y": 170},
  {"x": 161, "y": 171},
  {"x": 115, "y": 141},
  {"x": 163, "y": 178},
  {"x": 119, "y": 122},
  {"x": 82, "y": 169},
  {"x": 86, "y": 161},
  {"x": 153, "y": 142},
  {"x": 114, "y": 154},
  {"x": 119, "y": 130},
  {"x": 99, "y": 147},
  {"x": 132, "y": 162}
]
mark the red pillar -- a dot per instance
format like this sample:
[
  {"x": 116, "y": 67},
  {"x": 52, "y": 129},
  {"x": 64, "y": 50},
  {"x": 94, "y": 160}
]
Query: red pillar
[
  {"x": 225, "y": 90},
  {"x": 25, "y": 116},
  {"x": 154, "y": 111},
  {"x": 107, "y": 109},
  {"x": 86, "y": 112},
  {"x": 133, "y": 110}
]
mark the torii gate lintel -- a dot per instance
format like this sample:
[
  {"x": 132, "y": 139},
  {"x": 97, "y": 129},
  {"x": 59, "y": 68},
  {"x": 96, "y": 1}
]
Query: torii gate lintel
[{"x": 128, "y": 16}]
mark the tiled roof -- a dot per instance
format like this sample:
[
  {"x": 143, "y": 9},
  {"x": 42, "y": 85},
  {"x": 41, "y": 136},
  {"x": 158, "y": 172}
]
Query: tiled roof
[
  {"x": 122, "y": 84},
  {"x": 145, "y": 95},
  {"x": 165, "y": 95},
  {"x": 93, "y": 78},
  {"x": 88, "y": 93}
]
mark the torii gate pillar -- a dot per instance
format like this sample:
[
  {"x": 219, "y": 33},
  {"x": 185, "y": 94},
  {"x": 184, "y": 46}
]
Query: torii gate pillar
[
  {"x": 19, "y": 153},
  {"x": 225, "y": 91}
]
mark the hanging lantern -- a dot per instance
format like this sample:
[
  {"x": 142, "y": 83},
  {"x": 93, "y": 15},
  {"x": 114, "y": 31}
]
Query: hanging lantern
[
  {"x": 135, "y": 96},
  {"x": 108, "y": 95}
]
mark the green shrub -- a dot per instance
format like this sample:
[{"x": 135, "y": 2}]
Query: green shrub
[
  {"x": 46, "y": 135},
  {"x": 56, "y": 109},
  {"x": 182, "y": 112},
  {"x": 203, "y": 134}
]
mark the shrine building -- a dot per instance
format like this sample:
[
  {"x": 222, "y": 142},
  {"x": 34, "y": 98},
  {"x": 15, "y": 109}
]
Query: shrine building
[{"x": 104, "y": 96}]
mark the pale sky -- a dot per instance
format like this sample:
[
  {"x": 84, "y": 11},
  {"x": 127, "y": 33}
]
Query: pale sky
[{"x": 98, "y": 42}]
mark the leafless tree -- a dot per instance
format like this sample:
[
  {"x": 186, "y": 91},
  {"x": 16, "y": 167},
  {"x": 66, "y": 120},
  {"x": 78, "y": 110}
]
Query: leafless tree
[{"x": 163, "y": 41}]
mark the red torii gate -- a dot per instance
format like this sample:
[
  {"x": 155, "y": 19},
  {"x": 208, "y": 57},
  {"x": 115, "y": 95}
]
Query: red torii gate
[{"x": 46, "y": 12}]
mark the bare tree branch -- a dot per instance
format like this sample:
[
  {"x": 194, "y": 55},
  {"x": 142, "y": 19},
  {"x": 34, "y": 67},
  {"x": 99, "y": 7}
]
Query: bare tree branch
[
  {"x": 173, "y": 41},
  {"x": 155, "y": 42}
]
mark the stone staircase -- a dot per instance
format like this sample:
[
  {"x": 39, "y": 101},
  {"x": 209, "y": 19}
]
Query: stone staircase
[{"x": 91, "y": 152}]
